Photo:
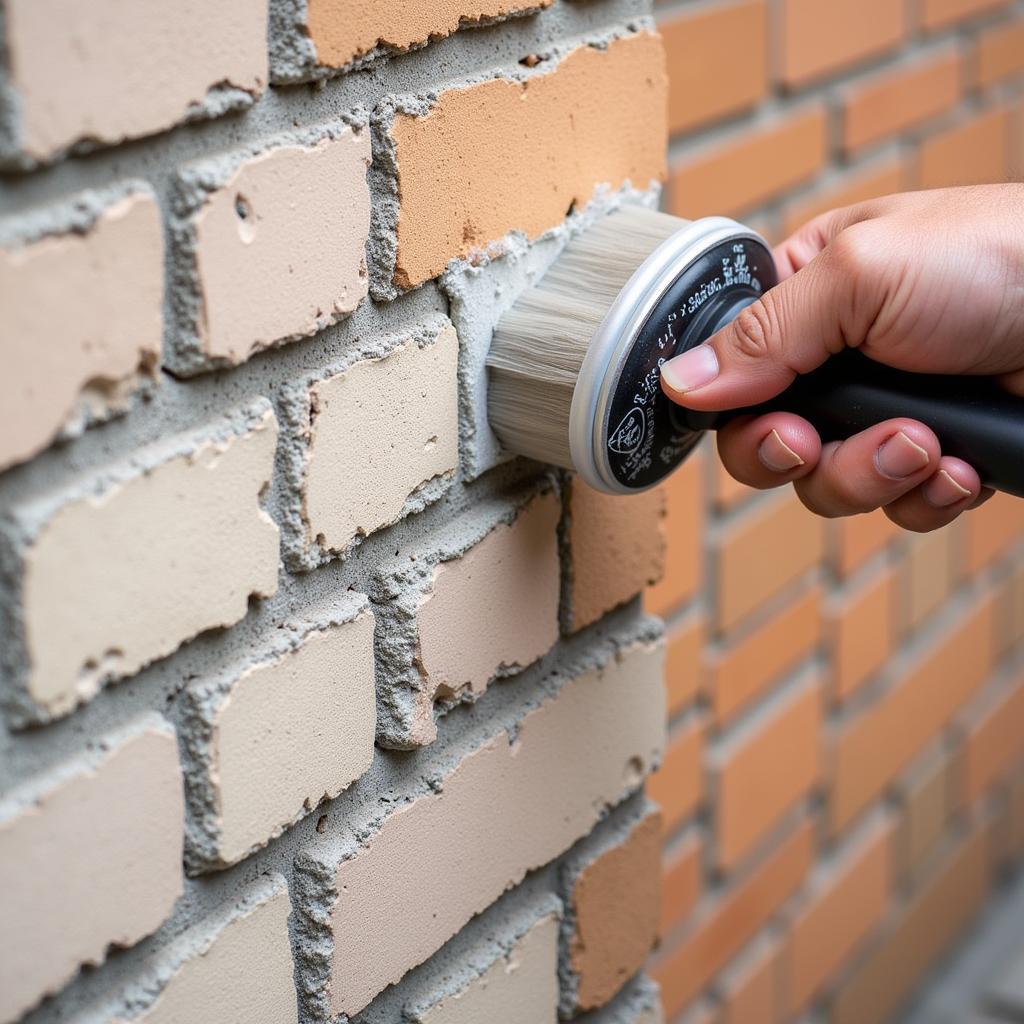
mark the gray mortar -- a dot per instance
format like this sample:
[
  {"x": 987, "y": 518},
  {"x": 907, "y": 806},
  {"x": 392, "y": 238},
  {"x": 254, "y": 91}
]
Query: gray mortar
[
  {"x": 21, "y": 524},
  {"x": 293, "y": 55},
  {"x": 397, "y": 591},
  {"x": 201, "y": 704},
  {"x": 572, "y": 866},
  {"x": 193, "y": 186},
  {"x": 301, "y": 551}
]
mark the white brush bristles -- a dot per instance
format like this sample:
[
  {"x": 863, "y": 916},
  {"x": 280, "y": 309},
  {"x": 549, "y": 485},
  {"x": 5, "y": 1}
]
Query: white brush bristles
[{"x": 539, "y": 344}]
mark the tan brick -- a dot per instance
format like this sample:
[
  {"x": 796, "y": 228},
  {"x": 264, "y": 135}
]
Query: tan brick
[
  {"x": 678, "y": 785},
  {"x": 871, "y": 749},
  {"x": 991, "y": 530},
  {"x": 717, "y": 179},
  {"x": 680, "y": 882},
  {"x": 342, "y": 32},
  {"x": 698, "y": 44},
  {"x": 277, "y": 251},
  {"x": 750, "y": 988},
  {"x": 999, "y": 53},
  {"x": 616, "y": 547},
  {"x": 684, "y": 530},
  {"x": 926, "y": 797},
  {"x": 522, "y": 984},
  {"x": 730, "y": 922},
  {"x": 763, "y": 770},
  {"x": 503, "y": 810},
  {"x": 819, "y": 39},
  {"x": 283, "y": 734},
  {"x": 938, "y": 14},
  {"x": 576, "y": 127},
  {"x": 892, "y": 102},
  {"x": 59, "y": 375},
  {"x": 857, "y": 538},
  {"x": 880, "y": 178},
  {"x": 380, "y": 431},
  {"x": 682, "y": 663},
  {"x": 994, "y": 744},
  {"x": 928, "y": 573},
  {"x": 127, "y": 69},
  {"x": 973, "y": 153},
  {"x": 103, "y": 838},
  {"x": 846, "y": 899},
  {"x": 507, "y": 588},
  {"x": 241, "y": 969},
  {"x": 145, "y": 556},
  {"x": 615, "y": 901},
  {"x": 746, "y": 667},
  {"x": 728, "y": 492},
  {"x": 860, "y": 628},
  {"x": 761, "y": 553},
  {"x": 935, "y": 916}
]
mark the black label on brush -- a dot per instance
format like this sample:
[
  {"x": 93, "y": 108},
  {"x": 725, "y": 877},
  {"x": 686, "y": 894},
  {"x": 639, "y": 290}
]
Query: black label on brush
[{"x": 646, "y": 438}]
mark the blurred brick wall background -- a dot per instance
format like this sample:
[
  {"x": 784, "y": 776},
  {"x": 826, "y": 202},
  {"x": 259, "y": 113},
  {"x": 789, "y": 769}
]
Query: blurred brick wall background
[{"x": 842, "y": 785}]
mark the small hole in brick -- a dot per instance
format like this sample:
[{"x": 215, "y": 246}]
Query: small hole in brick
[
  {"x": 572, "y": 209},
  {"x": 321, "y": 823},
  {"x": 242, "y": 207}
]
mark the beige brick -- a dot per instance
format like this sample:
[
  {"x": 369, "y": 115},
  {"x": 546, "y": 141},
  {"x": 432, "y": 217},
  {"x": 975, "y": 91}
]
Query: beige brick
[
  {"x": 145, "y": 557},
  {"x": 503, "y": 810},
  {"x": 514, "y": 155},
  {"x": 616, "y": 903},
  {"x": 380, "y": 431},
  {"x": 282, "y": 735},
  {"x": 242, "y": 971},
  {"x": 520, "y": 985},
  {"x": 505, "y": 590},
  {"x": 342, "y": 31},
  {"x": 90, "y": 857},
  {"x": 278, "y": 250},
  {"x": 59, "y": 374},
  {"x": 616, "y": 548},
  {"x": 128, "y": 68}
]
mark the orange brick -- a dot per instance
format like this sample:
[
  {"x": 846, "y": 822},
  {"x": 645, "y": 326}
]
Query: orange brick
[
  {"x": 878, "y": 179},
  {"x": 763, "y": 770},
  {"x": 936, "y": 14},
  {"x": 678, "y": 785},
  {"x": 766, "y": 549},
  {"x": 846, "y": 901},
  {"x": 991, "y": 529},
  {"x": 698, "y": 44},
  {"x": 860, "y": 630},
  {"x": 680, "y": 883},
  {"x": 682, "y": 663},
  {"x": 616, "y": 547},
  {"x": 972, "y": 153},
  {"x": 820, "y": 38},
  {"x": 743, "y": 670},
  {"x": 750, "y": 989},
  {"x": 856, "y": 538},
  {"x": 684, "y": 529},
  {"x": 935, "y": 916},
  {"x": 751, "y": 167},
  {"x": 994, "y": 744},
  {"x": 999, "y": 53},
  {"x": 727, "y": 924},
  {"x": 925, "y": 794},
  {"x": 890, "y": 103},
  {"x": 927, "y": 573},
  {"x": 875, "y": 746},
  {"x": 728, "y": 491}
]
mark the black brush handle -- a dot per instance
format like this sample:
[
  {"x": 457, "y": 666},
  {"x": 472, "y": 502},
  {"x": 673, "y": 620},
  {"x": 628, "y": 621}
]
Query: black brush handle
[{"x": 974, "y": 419}]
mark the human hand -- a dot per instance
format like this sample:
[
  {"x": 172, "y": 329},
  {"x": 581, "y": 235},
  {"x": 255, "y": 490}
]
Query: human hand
[{"x": 930, "y": 282}]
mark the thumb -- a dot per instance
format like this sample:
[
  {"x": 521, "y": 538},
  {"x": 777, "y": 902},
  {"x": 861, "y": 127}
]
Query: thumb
[{"x": 792, "y": 329}]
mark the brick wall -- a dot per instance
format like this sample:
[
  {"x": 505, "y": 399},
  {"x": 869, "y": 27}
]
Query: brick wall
[{"x": 314, "y": 706}]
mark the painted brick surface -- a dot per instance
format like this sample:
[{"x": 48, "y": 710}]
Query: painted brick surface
[
  {"x": 495, "y": 816},
  {"x": 579, "y": 114},
  {"x": 280, "y": 736},
  {"x": 111, "y": 274},
  {"x": 129, "y": 68},
  {"x": 381, "y": 431},
  {"x": 272, "y": 247},
  {"x": 103, "y": 838}
]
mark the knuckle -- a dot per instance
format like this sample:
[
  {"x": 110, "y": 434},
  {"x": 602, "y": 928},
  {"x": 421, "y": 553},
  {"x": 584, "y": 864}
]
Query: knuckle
[
  {"x": 754, "y": 329},
  {"x": 855, "y": 249}
]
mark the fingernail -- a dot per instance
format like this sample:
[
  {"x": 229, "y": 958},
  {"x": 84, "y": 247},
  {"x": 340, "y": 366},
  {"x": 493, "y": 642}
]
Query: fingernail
[
  {"x": 691, "y": 370},
  {"x": 942, "y": 490},
  {"x": 777, "y": 455},
  {"x": 900, "y": 457}
]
